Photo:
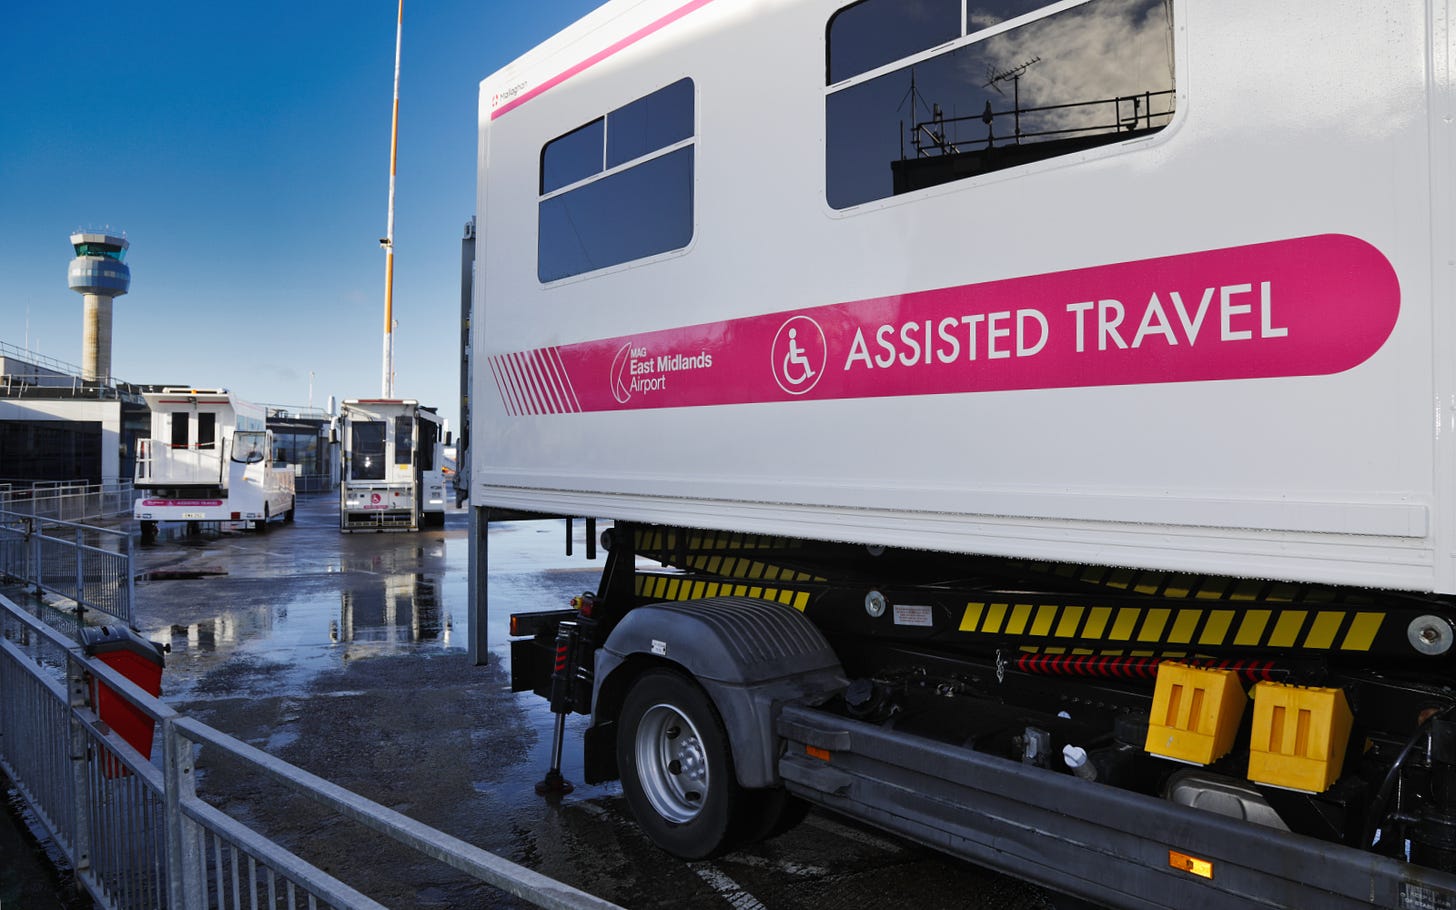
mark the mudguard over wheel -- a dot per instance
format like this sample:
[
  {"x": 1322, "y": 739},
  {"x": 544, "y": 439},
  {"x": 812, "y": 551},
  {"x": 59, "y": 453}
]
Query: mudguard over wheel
[{"x": 676, "y": 767}]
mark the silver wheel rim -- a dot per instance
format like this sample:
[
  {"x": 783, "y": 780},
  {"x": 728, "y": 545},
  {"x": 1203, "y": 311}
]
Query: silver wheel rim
[{"x": 672, "y": 764}]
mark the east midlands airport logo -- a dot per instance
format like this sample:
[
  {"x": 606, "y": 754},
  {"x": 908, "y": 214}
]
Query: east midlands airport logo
[
  {"x": 640, "y": 370},
  {"x": 621, "y": 375}
]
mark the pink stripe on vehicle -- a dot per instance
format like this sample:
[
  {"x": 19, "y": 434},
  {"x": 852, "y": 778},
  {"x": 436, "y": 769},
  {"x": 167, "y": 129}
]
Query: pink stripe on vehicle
[
  {"x": 599, "y": 56},
  {"x": 1308, "y": 306}
]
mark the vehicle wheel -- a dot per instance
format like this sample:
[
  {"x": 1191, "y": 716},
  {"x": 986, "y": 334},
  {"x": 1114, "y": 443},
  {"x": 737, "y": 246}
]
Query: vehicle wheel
[
  {"x": 771, "y": 812},
  {"x": 149, "y": 530},
  {"x": 262, "y": 526},
  {"x": 676, "y": 767},
  {"x": 292, "y": 504}
]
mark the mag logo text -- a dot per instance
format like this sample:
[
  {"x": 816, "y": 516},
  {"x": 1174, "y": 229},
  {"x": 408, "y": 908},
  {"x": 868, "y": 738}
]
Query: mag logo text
[{"x": 637, "y": 370}]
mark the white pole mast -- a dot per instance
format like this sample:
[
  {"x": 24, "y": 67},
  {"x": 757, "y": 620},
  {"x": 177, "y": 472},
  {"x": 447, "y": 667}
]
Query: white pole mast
[{"x": 387, "y": 389}]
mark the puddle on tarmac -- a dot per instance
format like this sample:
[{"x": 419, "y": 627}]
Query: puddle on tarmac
[{"x": 292, "y": 615}]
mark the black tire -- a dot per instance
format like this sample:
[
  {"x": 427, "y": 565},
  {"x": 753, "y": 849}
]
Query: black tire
[
  {"x": 676, "y": 767},
  {"x": 149, "y": 531},
  {"x": 288, "y": 516},
  {"x": 771, "y": 812},
  {"x": 262, "y": 526}
]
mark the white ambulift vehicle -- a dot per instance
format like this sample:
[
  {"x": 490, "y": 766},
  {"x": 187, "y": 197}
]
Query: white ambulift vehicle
[
  {"x": 1028, "y": 427},
  {"x": 392, "y": 477},
  {"x": 210, "y": 459}
]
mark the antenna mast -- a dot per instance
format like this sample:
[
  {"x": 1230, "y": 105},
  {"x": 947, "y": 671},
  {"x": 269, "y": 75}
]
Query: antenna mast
[
  {"x": 1014, "y": 75},
  {"x": 387, "y": 388}
]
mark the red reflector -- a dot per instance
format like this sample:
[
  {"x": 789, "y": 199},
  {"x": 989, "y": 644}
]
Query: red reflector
[{"x": 237, "y": 515}]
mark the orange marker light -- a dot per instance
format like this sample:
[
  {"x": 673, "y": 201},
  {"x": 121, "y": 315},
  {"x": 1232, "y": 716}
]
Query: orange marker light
[
  {"x": 1199, "y": 867},
  {"x": 812, "y": 752}
]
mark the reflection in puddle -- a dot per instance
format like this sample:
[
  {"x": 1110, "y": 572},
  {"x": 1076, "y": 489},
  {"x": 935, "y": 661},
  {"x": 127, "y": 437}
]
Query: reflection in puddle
[
  {"x": 288, "y": 641},
  {"x": 405, "y": 608},
  {"x": 207, "y": 634}
]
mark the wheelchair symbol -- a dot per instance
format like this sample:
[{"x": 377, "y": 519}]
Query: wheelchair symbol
[
  {"x": 799, "y": 352},
  {"x": 795, "y": 363}
]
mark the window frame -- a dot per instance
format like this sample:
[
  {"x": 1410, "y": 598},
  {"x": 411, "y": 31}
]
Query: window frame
[
  {"x": 180, "y": 424},
  {"x": 404, "y": 440},
  {"x": 690, "y": 141},
  {"x": 968, "y": 38}
]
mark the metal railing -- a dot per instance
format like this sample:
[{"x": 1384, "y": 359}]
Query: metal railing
[
  {"x": 314, "y": 483},
  {"x": 67, "y": 500},
  {"x": 186, "y": 464},
  {"x": 89, "y": 566},
  {"x": 139, "y": 836},
  {"x": 28, "y": 374},
  {"x": 1109, "y": 117}
]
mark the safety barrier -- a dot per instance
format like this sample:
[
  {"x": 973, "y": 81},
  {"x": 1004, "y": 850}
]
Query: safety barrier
[
  {"x": 67, "y": 500},
  {"x": 138, "y": 836},
  {"x": 90, "y": 566},
  {"x": 314, "y": 483}
]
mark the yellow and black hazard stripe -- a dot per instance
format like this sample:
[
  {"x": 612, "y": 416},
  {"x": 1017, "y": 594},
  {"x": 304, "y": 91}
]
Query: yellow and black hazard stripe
[
  {"x": 659, "y": 587},
  {"x": 722, "y": 564},
  {"x": 1139, "y": 630},
  {"x": 665, "y": 543}
]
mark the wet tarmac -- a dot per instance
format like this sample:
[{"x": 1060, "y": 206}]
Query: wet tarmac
[{"x": 346, "y": 655}]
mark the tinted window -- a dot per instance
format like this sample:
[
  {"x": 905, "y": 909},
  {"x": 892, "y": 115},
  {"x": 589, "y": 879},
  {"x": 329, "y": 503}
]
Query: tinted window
[
  {"x": 179, "y": 431},
  {"x": 429, "y": 435},
  {"x": 573, "y": 157},
  {"x": 206, "y": 430},
  {"x": 876, "y": 32},
  {"x": 638, "y": 199},
  {"x": 631, "y": 214},
  {"x": 1090, "y": 75},
  {"x": 661, "y": 119},
  {"x": 404, "y": 440},
  {"x": 366, "y": 450}
]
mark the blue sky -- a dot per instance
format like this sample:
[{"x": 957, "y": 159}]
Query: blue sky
[{"x": 244, "y": 150}]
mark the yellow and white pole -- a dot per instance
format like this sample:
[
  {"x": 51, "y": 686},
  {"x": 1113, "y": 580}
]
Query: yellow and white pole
[{"x": 387, "y": 390}]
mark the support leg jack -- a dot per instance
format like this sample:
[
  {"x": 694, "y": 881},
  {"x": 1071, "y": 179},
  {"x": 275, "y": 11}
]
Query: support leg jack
[{"x": 554, "y": 784}]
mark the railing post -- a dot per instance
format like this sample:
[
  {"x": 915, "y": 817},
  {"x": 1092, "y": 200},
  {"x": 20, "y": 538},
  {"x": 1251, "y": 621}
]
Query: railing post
[
  {"x": 130, "y": 569},
  {"x": 33, "y": 536},
  {"x": 185, "y": 881},
  {"x": 79, "y": 593},
  {"x": 80, "y": 698}
]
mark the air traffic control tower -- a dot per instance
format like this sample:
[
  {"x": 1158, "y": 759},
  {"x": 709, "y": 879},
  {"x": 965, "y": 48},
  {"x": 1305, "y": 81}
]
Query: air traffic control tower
[{"x": 99, "y": 271}]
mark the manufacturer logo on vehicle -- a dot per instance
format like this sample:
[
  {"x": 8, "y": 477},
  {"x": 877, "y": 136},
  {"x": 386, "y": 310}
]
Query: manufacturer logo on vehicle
[
  {"x": 509, "y": 94},
  {"x": 798, "y": 356}
]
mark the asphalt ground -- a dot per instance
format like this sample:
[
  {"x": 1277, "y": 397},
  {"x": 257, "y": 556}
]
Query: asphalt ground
[{"x": 345, "y": 655}]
